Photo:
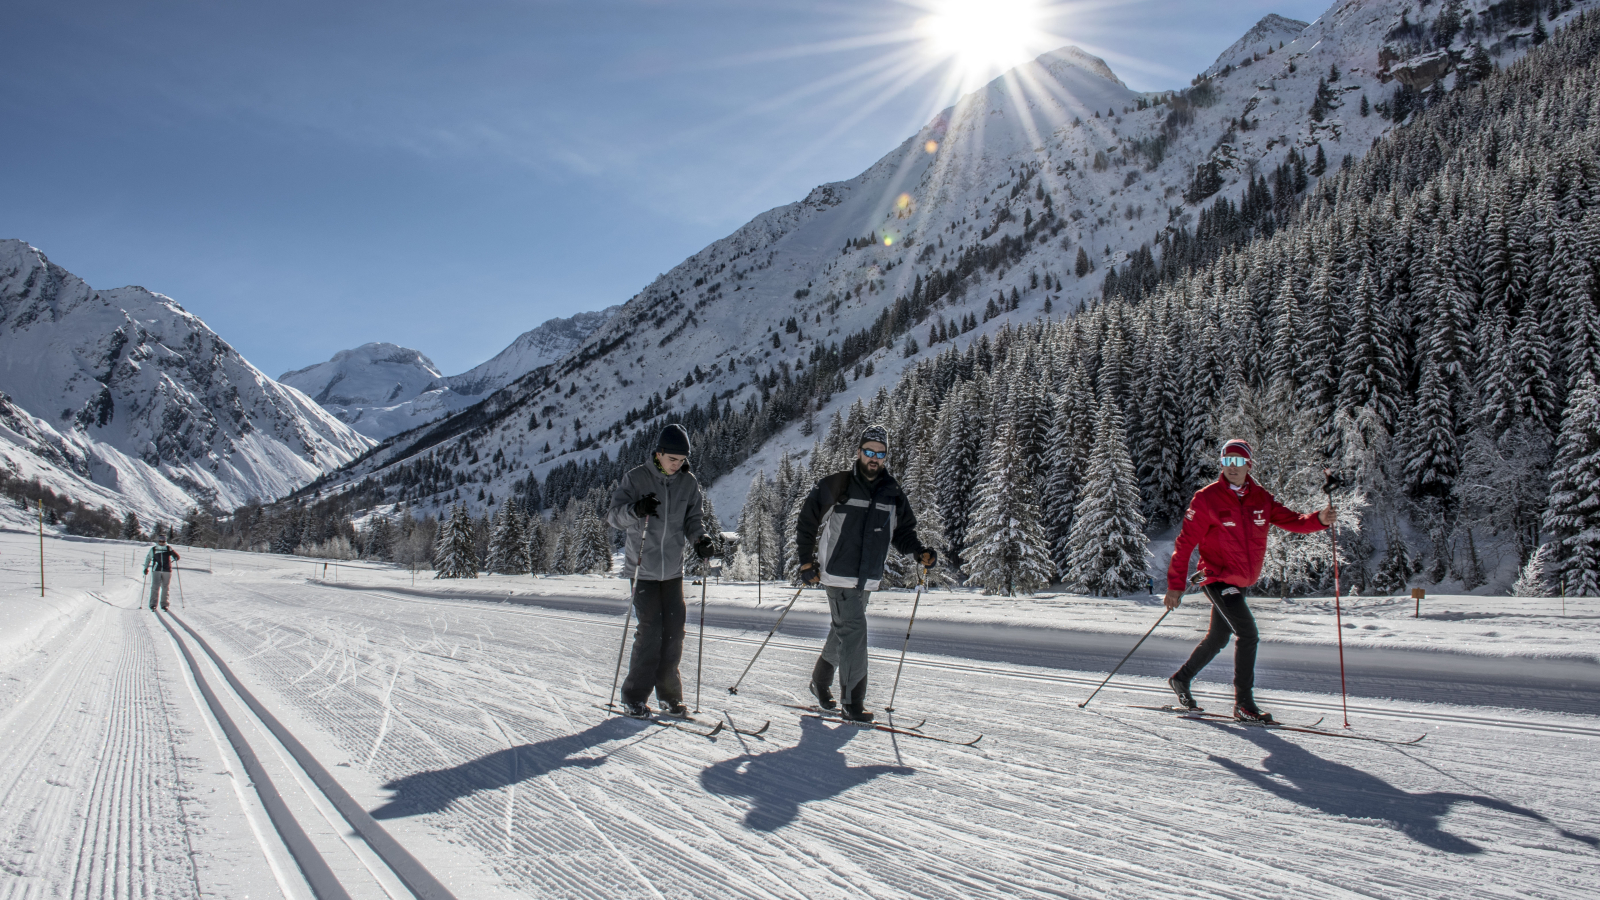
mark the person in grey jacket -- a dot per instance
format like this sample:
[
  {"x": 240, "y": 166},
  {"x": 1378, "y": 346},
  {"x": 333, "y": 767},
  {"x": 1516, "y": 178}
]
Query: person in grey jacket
[
  {"x": 658, "y": 504},
  {"x": 843, "y": 535}
]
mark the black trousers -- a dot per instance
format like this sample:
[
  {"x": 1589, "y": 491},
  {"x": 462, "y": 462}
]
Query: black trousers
[
  {"x": 657, "y": 642},
  {"x": 1230, "y": 615}
]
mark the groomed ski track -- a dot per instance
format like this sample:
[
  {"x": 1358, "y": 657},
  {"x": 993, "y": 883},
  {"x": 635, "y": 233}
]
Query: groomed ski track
[{"x": 467, "y": 730}]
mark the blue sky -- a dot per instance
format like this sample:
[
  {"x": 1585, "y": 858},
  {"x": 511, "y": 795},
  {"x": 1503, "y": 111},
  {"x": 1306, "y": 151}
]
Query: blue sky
[{"x": 307, "y": 177}]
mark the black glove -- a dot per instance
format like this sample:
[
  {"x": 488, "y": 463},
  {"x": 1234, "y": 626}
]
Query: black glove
[
  {"x": 646, "y": 505},
  {"x": 928, "y": 557},
  {"x": 810, "y": 574},
  {"x": 147, "y": 571},
  {"x": 704, "y": 548}
]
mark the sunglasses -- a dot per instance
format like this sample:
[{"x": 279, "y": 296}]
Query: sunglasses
[
  {"x": 874, "y": 454},
  {"x": 1235, "y": 461}
]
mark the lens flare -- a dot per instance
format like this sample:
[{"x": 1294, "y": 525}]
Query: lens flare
[
  {"x": 903, "y": 201},
  {"x": 931, "y": 146}
]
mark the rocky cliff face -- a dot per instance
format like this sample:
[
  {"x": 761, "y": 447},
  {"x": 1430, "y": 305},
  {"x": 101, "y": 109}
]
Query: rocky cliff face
[{"x": 127, "y": 391}]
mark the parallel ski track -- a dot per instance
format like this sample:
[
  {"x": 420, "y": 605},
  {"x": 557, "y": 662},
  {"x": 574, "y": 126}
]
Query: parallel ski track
[
  {"x": 949, "y": 664},
  {"x": 404, "y": 867},
  {"x": 93, "y": 792},
  {"x": 454, "y": 670}
]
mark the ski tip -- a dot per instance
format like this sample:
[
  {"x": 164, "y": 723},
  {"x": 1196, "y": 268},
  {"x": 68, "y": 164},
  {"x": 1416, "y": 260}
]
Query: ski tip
[{"x": 714, "y": 730}]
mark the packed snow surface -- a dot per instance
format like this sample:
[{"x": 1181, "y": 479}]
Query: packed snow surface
[{"x": 469, "y": 730}]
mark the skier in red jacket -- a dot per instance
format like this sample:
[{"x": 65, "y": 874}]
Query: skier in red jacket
[{"x": 1228, "y": 520}]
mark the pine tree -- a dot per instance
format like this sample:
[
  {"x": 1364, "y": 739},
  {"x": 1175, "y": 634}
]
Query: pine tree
[
  {"x": 960, "y": 440},
  {"x": 536, "y": 546},
  {"x": 506, "y": 553},
  {"x": 453, "y": 555},
  {"x": 1007, "y": 550},
  {"x": 1573, "y": 517},
  {"x": 1110, "y": 553}
]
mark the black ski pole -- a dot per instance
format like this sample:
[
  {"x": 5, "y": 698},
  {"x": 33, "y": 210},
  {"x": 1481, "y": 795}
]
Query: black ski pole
[
  {"x": 628, "y": 618},
  {"x": 1329, "y": 482},
  {"x": 141, "y": 586},
  {"x": 1126, "y": 658},
  {"x": 700, "y": 655},
  {"x": 735, "y": 688},
  {"x": 921, "y": 578}
]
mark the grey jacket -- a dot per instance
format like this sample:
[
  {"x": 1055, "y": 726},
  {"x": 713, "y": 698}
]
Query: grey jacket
[{"x": 657, "y": 556}]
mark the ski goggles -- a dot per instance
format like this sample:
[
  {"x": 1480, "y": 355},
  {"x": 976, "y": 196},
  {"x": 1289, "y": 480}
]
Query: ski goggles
[
  {"x": 874, "y": 454},
  {"x": 1230, "y": 461}
]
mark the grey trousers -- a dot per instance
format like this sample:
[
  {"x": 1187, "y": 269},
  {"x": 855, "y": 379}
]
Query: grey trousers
[
  {"x": 846, "y": 646},
  {"x": 159, "y": 582}
]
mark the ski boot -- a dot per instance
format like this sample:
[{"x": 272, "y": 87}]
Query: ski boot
[
  {"x": 1246, "y": 710},
  {"x": 635, "y": 710},
  {"x": 821, "y": 680},
  {"x": 854, "y": 702},
  {"x": 675, "y": 708},
  {"x": 1180, "y": 686}
]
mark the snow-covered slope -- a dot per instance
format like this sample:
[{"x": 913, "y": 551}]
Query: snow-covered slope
[
  {"x": 1258, "y": 43},
  {"x": 994, "y": 199},
  {"x": 382, "y": 389},
  {"x": 123, "y": 398}
]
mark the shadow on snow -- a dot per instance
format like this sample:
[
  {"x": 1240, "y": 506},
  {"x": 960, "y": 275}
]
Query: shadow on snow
[
  {"x": 1300, "y": 776},
  {"x": 777, "y": 783},
  {"x": 433, "y": 791}
]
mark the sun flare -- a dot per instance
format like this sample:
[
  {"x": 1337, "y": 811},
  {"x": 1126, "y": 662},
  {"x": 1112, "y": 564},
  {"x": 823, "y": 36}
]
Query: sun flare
[{"x": 982, "y": 38}]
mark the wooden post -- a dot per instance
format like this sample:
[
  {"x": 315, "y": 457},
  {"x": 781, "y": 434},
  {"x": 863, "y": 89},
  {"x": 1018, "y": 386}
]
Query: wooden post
[
  {"x": 41, "y": 548},
  {"x": 102, "y": 568},
  {"x": 1417, "y": 594}
]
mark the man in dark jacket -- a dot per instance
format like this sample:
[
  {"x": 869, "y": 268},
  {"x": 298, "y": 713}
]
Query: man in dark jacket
[
  {"x": 843, "y": 537},
  {"x": 1228, "y": 521},
  {"x": 161, "y": 557},
  {"x": 658, "y": 504}
]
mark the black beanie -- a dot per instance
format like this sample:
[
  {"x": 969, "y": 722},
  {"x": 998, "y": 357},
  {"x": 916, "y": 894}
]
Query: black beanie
[{"x": 673, "y": 441}]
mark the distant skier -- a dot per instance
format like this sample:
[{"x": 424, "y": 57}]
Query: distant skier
[
  {"x": 1228, "y": 520},
  {"x": 658, "y": 504},
  {"x": 161, "y": 557},
  {"x": 847, "y": 524}
]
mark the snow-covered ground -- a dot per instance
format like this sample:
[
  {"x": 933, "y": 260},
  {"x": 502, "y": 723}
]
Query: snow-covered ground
[{"x": 469, "y": 730}]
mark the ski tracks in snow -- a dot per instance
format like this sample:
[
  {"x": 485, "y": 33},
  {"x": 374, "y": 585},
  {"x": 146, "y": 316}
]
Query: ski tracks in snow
[
  {"x": 106, "y": 789},
  {"x": 492, "y": 746}
]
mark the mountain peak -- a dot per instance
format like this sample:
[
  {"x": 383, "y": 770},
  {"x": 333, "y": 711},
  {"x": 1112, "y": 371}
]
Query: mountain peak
[
  {"x": 1074, "y": 55},
  {"x": 1262, "y": 39}
]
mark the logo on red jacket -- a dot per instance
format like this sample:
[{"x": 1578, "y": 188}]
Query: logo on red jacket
[
  {"x": 1189, "y": 514},
  {"x": 1260, "y": 515}
]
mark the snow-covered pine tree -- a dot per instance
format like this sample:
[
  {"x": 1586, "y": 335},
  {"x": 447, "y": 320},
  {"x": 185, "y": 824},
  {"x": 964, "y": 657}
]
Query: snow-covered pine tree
[
  {"x": 1110, "y": 553},
  {"x": 960, "y": 443},
  {"x": 1573, "y": 519},
  {"x": 454, "y": 555},
  {"x": 536, "y": 545},
  {"x": 1007, "y": 551},
  {"x": 1534, "y": 578},
  {"x": 507, "y": 555}
]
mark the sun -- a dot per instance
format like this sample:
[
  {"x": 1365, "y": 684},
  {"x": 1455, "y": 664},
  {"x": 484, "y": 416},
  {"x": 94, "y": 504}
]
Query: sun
[{"x": 982, "y": 38}]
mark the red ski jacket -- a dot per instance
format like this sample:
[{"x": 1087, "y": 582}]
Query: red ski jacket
[{"x": 1231, "y": 532}]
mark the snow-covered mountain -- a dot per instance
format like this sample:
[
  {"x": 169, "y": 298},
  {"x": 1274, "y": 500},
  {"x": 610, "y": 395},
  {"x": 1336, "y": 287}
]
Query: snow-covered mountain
[
  {"x": 1018, "y": 200},
  {"x": 122, "y": 398},
  {"x": 1262, "y": 40},
  {"x": 383, "y": 389}
]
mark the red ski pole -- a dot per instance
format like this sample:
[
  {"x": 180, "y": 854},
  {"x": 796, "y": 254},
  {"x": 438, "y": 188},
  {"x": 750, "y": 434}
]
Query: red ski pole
[{"x": 1328, "y": 483}]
